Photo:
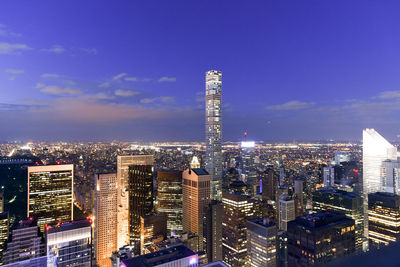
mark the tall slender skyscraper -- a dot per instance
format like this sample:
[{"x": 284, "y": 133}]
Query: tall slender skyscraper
[
  {"x": 50, "y": 193},
  {"x": 214, "y": 131},
  {"x": 105, "y": 235}
]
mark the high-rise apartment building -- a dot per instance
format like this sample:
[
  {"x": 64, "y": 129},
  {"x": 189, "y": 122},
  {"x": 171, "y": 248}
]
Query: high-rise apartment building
[
  {"x": 298, "y": 197},
  {"x": 1, "y": 202},
  {"x": 329, "y": 176},
  {"x": 287, "y": 210},
  {"x": 261, "y": 243},
  {"x": 26, "y": 243},
  {"x": 4, "y": 231},
  {"x": 50, "y": 193},
  {"x": 196, "y": 197},
  {"x": 105, "y": 212},
  {"x": 238, "y": 208},
  {"x": 214, "y": 130},
  {"x": 141, "y": 195},
  {"x": 123, "y": 163},
  {"x": 319, "y": 238},
  {"x": 341, "y": 156},
  {"x": 376, "y": 150},
  {"x": 390, "y": 175},
  {"x": 213, "y": 230},
  {"x": 70, "y": 243},
  {"x": 383, "y": 218},
  {"x": 345, "y": 202},
  {"x": 170, "y": 199}
]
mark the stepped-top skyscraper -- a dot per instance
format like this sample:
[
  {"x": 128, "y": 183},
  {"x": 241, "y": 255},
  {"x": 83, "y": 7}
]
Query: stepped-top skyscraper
[{"x": 214, "y": 130}]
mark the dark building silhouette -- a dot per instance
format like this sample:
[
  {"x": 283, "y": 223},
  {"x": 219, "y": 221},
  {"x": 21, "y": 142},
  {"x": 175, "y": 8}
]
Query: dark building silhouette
[
  {"x": 213, "y": 230},
  {"x": 270, "y": 181},
  {"x": 140, "y": 200},
  {"x": 319, "y": 238}
]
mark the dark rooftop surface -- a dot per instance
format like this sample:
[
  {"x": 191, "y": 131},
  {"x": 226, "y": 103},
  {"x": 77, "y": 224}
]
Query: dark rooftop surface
[
  {"x": 159, "y": 257},
  {"x": 338, "y": 192},
  {"x": 200, "y": 171},
  {"x": 263, "y": 222},
  {"x": 321, "y": 219}
]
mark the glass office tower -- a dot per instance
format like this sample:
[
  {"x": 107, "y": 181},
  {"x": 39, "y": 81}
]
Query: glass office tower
[
  {"x": 50, "y": 193},
  {"x": 214, "y": 131}
]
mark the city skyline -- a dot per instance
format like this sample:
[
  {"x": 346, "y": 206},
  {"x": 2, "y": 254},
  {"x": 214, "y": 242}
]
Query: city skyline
[{"x": 290, "y": 73}]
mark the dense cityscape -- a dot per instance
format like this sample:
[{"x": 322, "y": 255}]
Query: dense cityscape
[{"x": 199, "y": 133}]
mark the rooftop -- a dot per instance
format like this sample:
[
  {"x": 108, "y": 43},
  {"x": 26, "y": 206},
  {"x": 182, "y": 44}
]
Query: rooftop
[
  {"x": 337, "y": 192},
  {"x": 200, "y": 171},
  {"x": 159, "y": 257},
  {"x": 321, "y": 219},
  {"x": 67, "y": 226},
  {"x": 266, "y": 222}
]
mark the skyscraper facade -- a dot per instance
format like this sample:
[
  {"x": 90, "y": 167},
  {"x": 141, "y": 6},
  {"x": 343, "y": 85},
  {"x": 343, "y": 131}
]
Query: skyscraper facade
[
  {"x": 50, "y": 193},
  {"x": 383, "y": 218},
  {"x": 213, "y": 232},
  {"x": 345, "y": 202},
  {"x": 238, "y": 208},
  {"x": 123, "y": 163},
  {"x": 170, "y": 199},
  {"x": 141, "y": 196},
  {"x": 261, "y": 243},
  {"x": 319, "y": 238},
  {"x": 26, "y": 242},
  {"x": 70, "y": 243},
  {"x": 287, "y": 211},
  {"x": 4, "y": 231},
  {"x": 153, "y": 230},
  {"x": 196, "y": 196},
  {"x": 214, "y": 130},
  {"x": 105, "y": 231},
  {"x": 376, "y": 150}
]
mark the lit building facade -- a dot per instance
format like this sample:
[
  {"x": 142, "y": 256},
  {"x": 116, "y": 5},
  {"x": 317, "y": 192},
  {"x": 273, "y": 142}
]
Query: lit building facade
[
  {"x": 4, "y": 231},
  {"x": 25, "y": 238},
  {"x": 390, "y": 176},
  {"x": 123, "y": 163},
  {"x": 261, "y": 243},
  {"x": 269, "y": 183},
  {"x": 141, "y": 197},
  {"x": 170, "y": 199},
  {"x": 70, "y": 243},
  {"x": 383, "y": 218},
  {"x": 105, "y": 231},
  {"x": 345, "y": 202},
  {"x": 376, "y": 149},
  {"x": 238, "y": 208},
  {"x": 287, "y": 211},
  {"x": 50, "y": 193},
  {"x": 214, "y": 130},
  {"x": 196, "y": 196},
  {"x": 319, "y": 238}
]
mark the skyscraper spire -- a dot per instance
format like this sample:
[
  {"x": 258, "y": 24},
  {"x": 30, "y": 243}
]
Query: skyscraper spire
[{"x": 214, "y": 130}]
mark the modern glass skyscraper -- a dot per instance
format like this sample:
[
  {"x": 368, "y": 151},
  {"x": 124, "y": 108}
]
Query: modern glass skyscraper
[
  {"x": 50, "y": 193},
  {"x": 214, "y": 130},
  {"x": 376, "y": 150}
]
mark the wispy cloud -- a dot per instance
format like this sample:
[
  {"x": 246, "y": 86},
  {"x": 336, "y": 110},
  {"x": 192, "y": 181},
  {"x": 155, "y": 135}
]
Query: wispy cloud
[
  {"x": 99, "y": 96},
  {"x": 119, "y": 76},
  {"x": 389, "y": 95},
  {"x": 131, "y": 79},
  {"x": 57, "y": 49},
  {"x": 163, "y": 99},
  {"x": 125, "y": 93},
  {"x": 13, "y": 49},
  {"x": 50, "y": 75},
  {"x": 14, "y": 71},
  {"x": 291, "y": 105},
  {"x": 56, "y": 90},
  {"x": 5, "y": 31},
  {"x": 167, "y": 79},
  {"x": 105, "y": 85}
]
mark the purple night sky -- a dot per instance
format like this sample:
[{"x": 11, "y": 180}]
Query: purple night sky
[{"x": 134, "y": 70}]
